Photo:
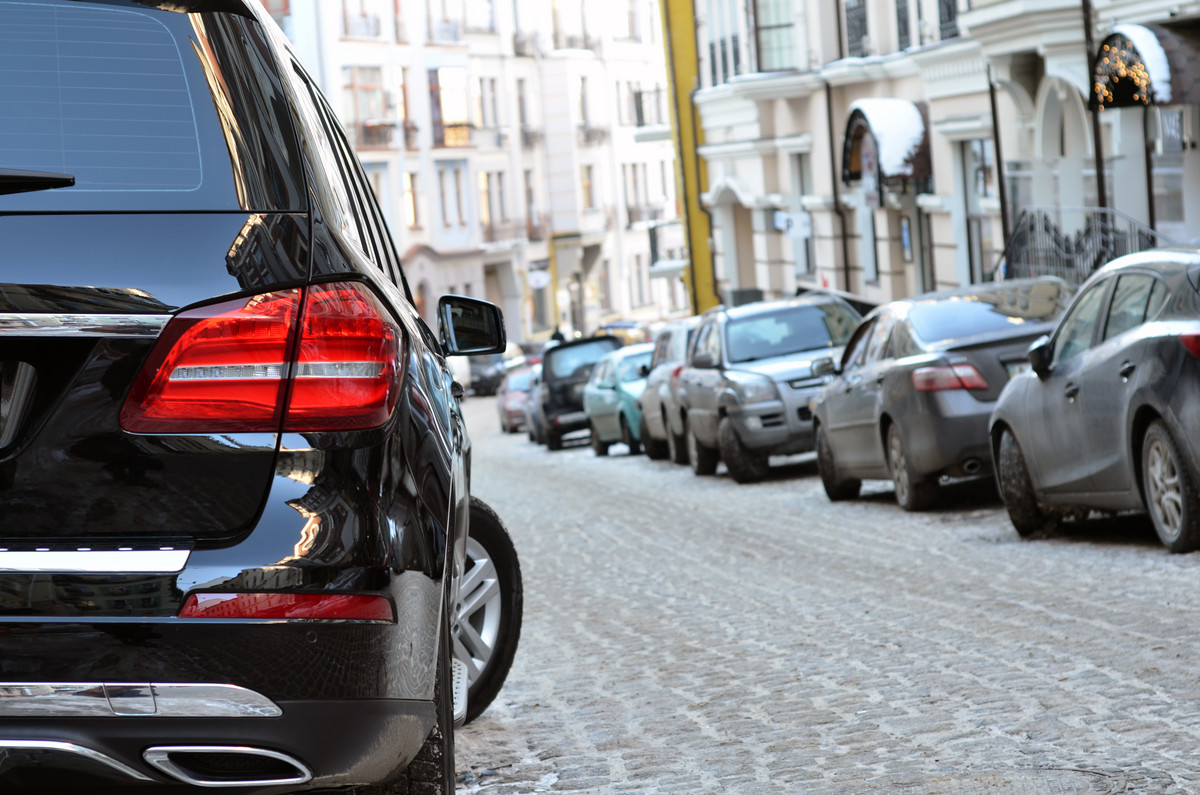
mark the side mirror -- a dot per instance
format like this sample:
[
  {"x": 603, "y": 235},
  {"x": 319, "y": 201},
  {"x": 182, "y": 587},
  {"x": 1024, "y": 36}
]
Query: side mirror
[
  {"x": 644, "y": 370},
  {"x": 1039, "y": 355},
  {"x": 704, "y": 360},
  {"x": 469, "y": 326},
  {"x": 824, "y": 367}
]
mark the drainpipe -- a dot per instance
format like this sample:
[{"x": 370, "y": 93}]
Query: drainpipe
[
  {"x": 1097, "y": 143},
  {"x": 837, "y": 198},
  {"x": 1002, "y": 186},
  {"x": 696, "y": 154}
]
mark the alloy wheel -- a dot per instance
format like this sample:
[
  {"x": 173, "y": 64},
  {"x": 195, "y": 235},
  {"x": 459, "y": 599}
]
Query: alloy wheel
[
  {"x": 478, "y": 613},
  {"x": 1164, "y": 489}
]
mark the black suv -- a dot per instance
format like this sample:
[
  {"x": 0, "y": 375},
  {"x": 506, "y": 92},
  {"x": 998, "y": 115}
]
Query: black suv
[
  {"x": 559, "y": 399},
  {"x": 233, "y": 470}
]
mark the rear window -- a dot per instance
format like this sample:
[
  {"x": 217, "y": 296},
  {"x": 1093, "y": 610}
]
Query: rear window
[
  {"x": 938, "y": 321},
  {"x": 147, "y": 109},
  {"x": 575, "y": 360},
  {"x": 519, "y": 381},
  {"x": 630, "y": 367}
]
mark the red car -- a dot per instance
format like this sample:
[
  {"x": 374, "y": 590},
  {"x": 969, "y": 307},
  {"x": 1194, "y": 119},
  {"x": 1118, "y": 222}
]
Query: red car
[{"x": 511, "y": 397}]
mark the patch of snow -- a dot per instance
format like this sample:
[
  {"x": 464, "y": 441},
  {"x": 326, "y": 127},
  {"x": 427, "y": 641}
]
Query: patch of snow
[
  {"x": 1153, "y": 57},
  {"x": 899, "y": 130}
]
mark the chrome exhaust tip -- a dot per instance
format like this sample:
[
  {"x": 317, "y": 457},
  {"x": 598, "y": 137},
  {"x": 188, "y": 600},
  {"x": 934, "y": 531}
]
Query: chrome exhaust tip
[{"x": 227, "y": 765}]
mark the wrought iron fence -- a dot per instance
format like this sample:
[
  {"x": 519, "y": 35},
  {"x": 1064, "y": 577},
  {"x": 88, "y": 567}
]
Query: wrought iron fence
[{"x": 1071, "y": 242}]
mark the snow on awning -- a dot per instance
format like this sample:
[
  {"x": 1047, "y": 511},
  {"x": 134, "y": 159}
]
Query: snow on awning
[
  {"x": 1145, "y": 65},
  {"x": 887, "y": 144}
]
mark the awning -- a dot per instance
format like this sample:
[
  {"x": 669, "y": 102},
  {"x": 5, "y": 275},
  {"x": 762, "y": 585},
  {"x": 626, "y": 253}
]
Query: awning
[
  {"x": 1145, "y": 65},
  {"x": 887, "y": 140}
]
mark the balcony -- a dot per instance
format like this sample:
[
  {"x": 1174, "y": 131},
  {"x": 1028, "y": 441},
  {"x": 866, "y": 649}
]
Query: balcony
[
  {"x": 362, "y": 26},
  {"x": 531, "y": 137},
  {"x": 374, "y": 134},
  {"x": 452, "y": 135},
  {"x": 410, "y": 135},
  {"x": 649, "y": 108},
  {"x": 642, "y": 212},
  {"x": 537, "y": 227},
  {"x": 591, "y": 135},
  {"x": 525, "y": 43},
  {"x": 446, "y": 31},
  {"x": 504, "y": 231}
]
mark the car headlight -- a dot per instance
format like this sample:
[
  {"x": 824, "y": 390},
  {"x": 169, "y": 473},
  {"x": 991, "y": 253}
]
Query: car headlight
[{"x": 752, "y": 387}]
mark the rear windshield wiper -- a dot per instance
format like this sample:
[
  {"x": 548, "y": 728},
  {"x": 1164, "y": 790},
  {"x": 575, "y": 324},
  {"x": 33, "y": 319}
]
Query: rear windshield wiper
[{"x": 15, "y": 180}]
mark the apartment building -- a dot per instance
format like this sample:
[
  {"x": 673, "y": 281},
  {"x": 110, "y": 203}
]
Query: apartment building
[
  {"x": 520, "y": 150},
  {"x": 888, "y": 147}
]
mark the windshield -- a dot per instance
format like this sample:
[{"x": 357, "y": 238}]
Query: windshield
[
  {"x": 994, "y": 310},
  {"x": 519, "y": 381},
  {"x": 627, "y": 370},
  {"x": 576, "y": 360},
  {"x": 789, "y": 330}
]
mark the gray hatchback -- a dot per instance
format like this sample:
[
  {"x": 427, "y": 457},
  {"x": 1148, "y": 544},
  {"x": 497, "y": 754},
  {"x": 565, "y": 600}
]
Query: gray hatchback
[{"x": 745, "y": 390}]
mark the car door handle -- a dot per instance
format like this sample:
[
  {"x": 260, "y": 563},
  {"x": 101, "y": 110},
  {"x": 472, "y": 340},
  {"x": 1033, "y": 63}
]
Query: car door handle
[
  {"x": 1127, "y": 369},
  {"x": 1071, "y": 391}
]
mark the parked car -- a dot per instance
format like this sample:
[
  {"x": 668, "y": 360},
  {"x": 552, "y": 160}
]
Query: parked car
[
  {"x": 533, "y": 414},
  {"x": 745, "y": 390},
  {"x": 912, "y": 393},
  {"x": 661, "y": 430},
  {"x": 488, "y": 371},
  {"x": 512, "y": 398},
  {"x": 232, "y": 465},
  {"x": 558, "y": 401},
  {"x": 610, "y": 398},
  {"x": 1108, "y": 416}
]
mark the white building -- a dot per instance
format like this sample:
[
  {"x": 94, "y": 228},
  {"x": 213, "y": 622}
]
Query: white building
[{"x": 503, "y": 142}]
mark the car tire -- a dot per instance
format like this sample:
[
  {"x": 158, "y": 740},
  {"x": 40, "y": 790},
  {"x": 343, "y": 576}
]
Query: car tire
[
  {"x": 676, "y": 445},
  {"x": 635, "y": 447},
  {"x": 656, "y": 449},
  {"x": 598, "y": 447},
  {"x": 1169, "y": 491},
  {"x": 912, "y": 493},
  {"x": 1016, "y": 487},
  {"x": 704, "y": 459},
  {"x": 744, "y": 466},
  {"x": 554, "y": 441},
  {"x": 491, "y": 602},
  {"x": 837, "y": 488}
]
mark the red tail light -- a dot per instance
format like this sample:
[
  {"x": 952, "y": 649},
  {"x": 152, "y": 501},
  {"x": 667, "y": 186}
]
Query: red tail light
[
  {"x": 1192, "y": 343},
  {"x": 959, "y": 376},
  {"x": 327, "y": 607},
  {"x": 223, "y": 368}
]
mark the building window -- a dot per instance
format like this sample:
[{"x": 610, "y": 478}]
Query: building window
[
  {"x": 773, "y": 28},
  {"x": 586, "y": 187},
  {"x": 979, "y": 175},
  {"x": 903, "y": 29},
  {"x": 856, "y": 28},
  {"x": 444, "y": 196},
  {"x": 450, "y": 106},
  {"x": 366, "y": 104},
  {"x": 522, "y": 109},
  {"x": 583, "y": 100},
  {"x": 487, "y": 109},
  {"x": 485, "y": 200},
  {"x": 948, "y": 19},
  {"x": 481, "y": 16},
  {"x": 458, "y": 195},
  {"x": 362, "y": 19},
  {"x": 411, "y": 219}
]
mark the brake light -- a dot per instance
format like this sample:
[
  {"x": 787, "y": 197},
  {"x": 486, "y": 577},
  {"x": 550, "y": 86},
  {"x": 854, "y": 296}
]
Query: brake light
[
  {"x": 959, "y": 376},
  {"x": 224, "y": 368},
  {"x": 1192, "y": 343},
  {"x": 675, "y": 373},
  {"x": 326, "y": 607}
]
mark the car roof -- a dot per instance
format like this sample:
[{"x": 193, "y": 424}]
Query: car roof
[
  {"x": 630, "y": 350},
  {"x": 901, "y": 306},
  {"x": 762, "y": 307}
]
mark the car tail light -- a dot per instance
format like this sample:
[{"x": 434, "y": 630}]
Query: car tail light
[
  {"x": 224, "y": 368},
  {"x": 1192, "y": 343},
  {"x": 675, "y": 373},
  {"x": 958, "y": 376},
  {"x": 327, "y": 607}
]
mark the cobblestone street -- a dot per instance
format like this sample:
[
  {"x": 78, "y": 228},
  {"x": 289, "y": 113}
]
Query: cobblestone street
[{"x": 686, "y": 634}]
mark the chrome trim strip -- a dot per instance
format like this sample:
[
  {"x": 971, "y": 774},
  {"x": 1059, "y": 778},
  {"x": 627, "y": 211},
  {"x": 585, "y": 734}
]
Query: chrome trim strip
[
  {"x": 71, "y": 748},
  {"x": 33, "y": 324},
  {"x": 133, "y": 699},
  {"x": 160, "y": 757},
  {"x": 95, "y": 561}
]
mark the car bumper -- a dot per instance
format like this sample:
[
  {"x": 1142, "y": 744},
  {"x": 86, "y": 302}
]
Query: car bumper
[
  {"x": 776, "y": 427},
  {"x": 568, "y": 422},
  {"x": 950, "y": 437}
]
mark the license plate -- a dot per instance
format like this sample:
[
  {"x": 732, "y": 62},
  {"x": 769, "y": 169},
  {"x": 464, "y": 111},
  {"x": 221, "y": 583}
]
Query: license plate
[{"x": 1016, "y": 368}]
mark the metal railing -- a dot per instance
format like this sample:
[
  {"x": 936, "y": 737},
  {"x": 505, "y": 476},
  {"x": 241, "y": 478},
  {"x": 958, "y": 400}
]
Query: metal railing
[{"x": 1071, "y": 242}]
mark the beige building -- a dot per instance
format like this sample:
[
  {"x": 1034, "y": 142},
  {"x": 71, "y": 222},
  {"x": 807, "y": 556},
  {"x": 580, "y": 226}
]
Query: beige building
[{"x": 853, "y": 144}]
